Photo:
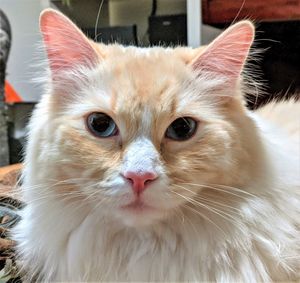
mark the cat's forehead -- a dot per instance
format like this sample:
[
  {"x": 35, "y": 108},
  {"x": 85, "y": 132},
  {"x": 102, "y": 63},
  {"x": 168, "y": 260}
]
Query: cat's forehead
[
  {"x": 148, "y": 63},
  {"x": 147, "y": 76}
]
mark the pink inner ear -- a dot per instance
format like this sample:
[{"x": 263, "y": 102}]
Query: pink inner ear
[
  {"x": 66, "y": 45},
  {"x": 227, "y": 54}
]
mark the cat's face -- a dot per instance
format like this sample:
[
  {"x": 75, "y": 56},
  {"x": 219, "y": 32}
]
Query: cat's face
[{"x": 140, "y": 131}]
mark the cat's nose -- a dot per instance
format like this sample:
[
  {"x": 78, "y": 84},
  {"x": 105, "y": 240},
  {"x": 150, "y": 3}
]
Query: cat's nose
[{"x": 140, "y": 180}]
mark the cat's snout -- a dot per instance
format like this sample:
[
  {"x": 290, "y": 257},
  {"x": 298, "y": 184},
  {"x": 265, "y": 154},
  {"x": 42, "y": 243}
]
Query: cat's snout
[{"x": 140, "y": 180}]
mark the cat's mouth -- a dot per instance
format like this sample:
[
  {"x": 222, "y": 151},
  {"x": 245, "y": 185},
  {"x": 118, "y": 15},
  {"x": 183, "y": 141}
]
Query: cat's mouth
[{"x": 138, "y": 206}]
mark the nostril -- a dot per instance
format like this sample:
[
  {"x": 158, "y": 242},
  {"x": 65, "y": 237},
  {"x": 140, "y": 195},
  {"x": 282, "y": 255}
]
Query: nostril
[
  {"x": 129, "y": 179},
  {"x": 148, "y": 181},
  {"x": 148, "y": 177}
]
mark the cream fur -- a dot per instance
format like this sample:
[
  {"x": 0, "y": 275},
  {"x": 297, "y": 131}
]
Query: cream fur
[{"x": 226, "y": 205}]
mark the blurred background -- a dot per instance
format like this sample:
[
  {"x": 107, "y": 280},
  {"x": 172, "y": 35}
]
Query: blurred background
[{"x": 140, "y": 23}]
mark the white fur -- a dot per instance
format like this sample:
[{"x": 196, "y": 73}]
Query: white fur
[{"x": 90, "y": 245}]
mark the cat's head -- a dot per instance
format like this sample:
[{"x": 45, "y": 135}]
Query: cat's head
[{"x": 138, "y": 132}]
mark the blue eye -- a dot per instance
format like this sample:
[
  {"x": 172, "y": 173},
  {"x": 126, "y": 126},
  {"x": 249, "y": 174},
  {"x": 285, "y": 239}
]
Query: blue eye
[
  {"x": 101, "y": 125},
  {"x": 181, "y": 129}
]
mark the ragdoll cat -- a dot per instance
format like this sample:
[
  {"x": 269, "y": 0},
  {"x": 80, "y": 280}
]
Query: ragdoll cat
[{"x": 143, "y": 164}]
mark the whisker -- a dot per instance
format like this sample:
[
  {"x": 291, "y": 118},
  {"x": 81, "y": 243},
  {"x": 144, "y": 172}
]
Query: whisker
[
  {"x": 221, "y": 190},
  {"x": 198, "y": 212},
  {"x": 212, "y": 201},
  {"x": 209, "y": 200},
  {"x": 206, "y": 218}
]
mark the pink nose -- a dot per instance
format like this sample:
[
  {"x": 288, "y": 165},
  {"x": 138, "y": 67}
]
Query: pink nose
[{"x": 139, "y": 180}]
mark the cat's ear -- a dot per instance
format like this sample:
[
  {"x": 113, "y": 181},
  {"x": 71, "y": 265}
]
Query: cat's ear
[
  {"x": 67, "y": 47},
  {"x": 227, "y": 54}
]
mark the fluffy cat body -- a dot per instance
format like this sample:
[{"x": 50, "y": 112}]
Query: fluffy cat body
[{"x": 225, "y": 208}]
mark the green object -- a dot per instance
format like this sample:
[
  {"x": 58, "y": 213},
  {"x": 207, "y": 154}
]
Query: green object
[{"x": 67, "y": 2}]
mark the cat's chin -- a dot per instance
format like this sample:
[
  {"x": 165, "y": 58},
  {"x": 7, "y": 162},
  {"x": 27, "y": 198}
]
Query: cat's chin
[{"x": 138, "y": 214}]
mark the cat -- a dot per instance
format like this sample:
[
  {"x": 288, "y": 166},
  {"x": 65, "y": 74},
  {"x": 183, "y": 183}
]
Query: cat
[{"x": 144, "y": 164}]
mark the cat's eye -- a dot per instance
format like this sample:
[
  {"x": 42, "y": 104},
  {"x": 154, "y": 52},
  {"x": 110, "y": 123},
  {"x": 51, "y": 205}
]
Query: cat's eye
[
  {"x": 101, "y": 125},
  {"x": 181, "y": 129}
]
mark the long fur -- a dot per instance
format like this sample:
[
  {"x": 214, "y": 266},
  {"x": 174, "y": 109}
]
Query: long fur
[{"x": 226, "y": 204}]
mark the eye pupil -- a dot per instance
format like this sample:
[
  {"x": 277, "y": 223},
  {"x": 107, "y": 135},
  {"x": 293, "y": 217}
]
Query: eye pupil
[
  {"x": 181, "y": 129},
  {"x": 101, "y": 125}
]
